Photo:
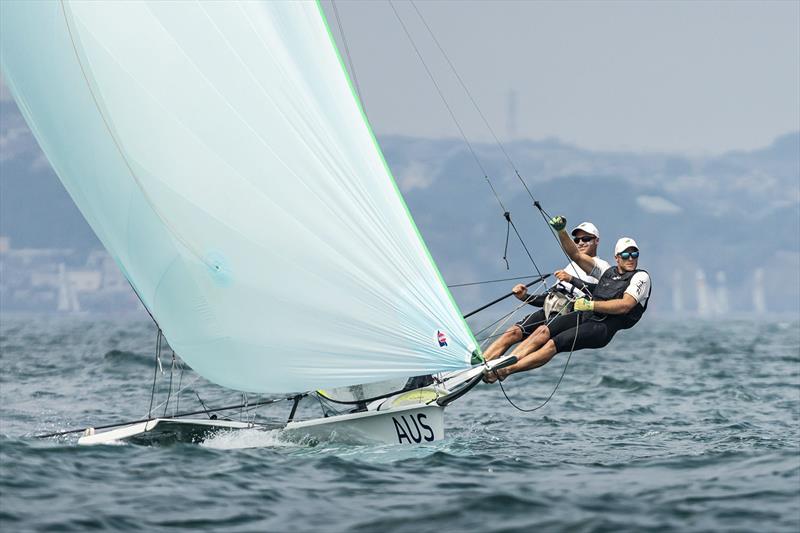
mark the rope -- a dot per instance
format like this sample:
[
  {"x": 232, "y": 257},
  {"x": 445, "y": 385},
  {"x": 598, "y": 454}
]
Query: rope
[
  {"x": 253, "y": 409},
  {"x": 441, "y": 94},
  {"x": 506, "y": 213},
  {"x": 514, "y": 227},
  {"x": 547, "y": 217},
  {"x": 155, "y": 372},
  {"x": 178, "y": 392},
  {"x": 202, "y": 403},
  {"x": 326, "y": 407},
  {"x": 180, "y": 389},
  {"x": 169, "y": 391},
  {"x": 563, "y": 373},
  {"x": 503, "y": 320},
  {"x": 464, "y": 86},
  {"x": 347, "y": 51},
  {"x": 488, "y": 127},
  {"x": 489, "y": 281},
  {"x": 507, "y": 216}
]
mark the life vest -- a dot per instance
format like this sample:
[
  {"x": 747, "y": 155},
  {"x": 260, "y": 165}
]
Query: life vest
[{"x": 612, "y": 286}]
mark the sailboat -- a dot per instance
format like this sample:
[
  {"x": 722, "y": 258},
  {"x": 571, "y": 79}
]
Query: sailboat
[{"x": 219, "y": 152}]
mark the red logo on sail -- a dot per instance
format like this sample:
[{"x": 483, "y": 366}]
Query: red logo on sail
[{"x": 442, "y": 338}]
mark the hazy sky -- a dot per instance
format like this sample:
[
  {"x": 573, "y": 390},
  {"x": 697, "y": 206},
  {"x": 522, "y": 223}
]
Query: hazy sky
[{"x": 695, "y": 77}]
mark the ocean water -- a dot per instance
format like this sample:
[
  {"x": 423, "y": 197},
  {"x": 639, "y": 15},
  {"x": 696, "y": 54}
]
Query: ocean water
[{"x": 682, "y": 426}]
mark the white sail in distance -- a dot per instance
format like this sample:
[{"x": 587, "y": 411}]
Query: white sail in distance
[{"x": 219, "y": 153}]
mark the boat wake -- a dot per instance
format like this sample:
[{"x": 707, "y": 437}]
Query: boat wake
[{"x": 247, "y": 438}]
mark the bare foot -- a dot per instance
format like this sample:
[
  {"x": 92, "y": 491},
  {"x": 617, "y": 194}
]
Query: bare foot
[{"x": 494, "y": 375}]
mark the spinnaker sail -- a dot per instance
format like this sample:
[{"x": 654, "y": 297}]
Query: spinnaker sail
[{"x": 219, "y": 153}]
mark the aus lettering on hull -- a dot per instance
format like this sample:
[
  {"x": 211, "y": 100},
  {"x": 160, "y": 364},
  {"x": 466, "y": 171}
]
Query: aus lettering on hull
[{"x": 415, "y": 431}]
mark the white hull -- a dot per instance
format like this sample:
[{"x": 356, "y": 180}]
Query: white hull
[
  {"x": 414, "y": 424},
  {"x": 163, "y": 430},
  {"x": 408, "y": 418}
]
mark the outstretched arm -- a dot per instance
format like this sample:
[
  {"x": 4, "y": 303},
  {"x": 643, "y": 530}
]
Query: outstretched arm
[{"x": 586, "y": 262}]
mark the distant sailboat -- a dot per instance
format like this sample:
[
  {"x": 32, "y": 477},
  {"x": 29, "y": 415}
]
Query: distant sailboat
[
  {"x": 759, "y": 298},
  {"x": 220, "y": 154},
  {"x": 701, "y": 289}
]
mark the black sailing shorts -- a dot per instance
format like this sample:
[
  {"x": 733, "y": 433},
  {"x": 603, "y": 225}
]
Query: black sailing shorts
[
  {"x": 530, "y": 323},
  {"x": 591, "y": 333}
]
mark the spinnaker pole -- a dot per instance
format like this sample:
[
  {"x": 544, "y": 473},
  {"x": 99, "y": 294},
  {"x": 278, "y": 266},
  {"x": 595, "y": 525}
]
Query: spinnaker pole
[{"x": 537, "y": 280}]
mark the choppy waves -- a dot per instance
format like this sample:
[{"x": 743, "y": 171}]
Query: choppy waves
[{"x": 684, "y": 426}]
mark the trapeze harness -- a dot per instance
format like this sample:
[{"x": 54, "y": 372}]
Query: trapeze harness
[
  {"x": 557, "y": 301},
  {"x": 595, "y": 330}
]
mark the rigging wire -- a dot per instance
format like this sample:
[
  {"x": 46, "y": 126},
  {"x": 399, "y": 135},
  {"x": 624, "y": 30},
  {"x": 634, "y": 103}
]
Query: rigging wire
[
  {"x": 155, "y": 372},
  {"x": 563, "y": 372},
  {"x": 445, "y": 102},
  {"x": 489, "y": 281},
  {"x": 509, "y": 314},
  {"x": 178, "y": 392},
  {"x": 502, "y": 320},
  {"x": 500, "y": 145},
  {"x": 545, "y": 215},
  {"x": 171, "y": 372},
  {"x": 464, "y": 86},
  {"x": 347, "y": 51},
  {"x": 179, "y": 415},
  {"x": 506, "y": 212},
  {"x": 175, "y": 361},
  {"x": 203, "y": 404},
  {"x": 505, "y": 248}
]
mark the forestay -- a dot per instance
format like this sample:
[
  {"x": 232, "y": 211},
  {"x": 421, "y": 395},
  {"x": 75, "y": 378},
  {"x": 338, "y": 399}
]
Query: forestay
[{"x": 219, "y": 153}]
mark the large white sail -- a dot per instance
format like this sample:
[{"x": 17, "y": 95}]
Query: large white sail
[{"x": 218, "y": 151}]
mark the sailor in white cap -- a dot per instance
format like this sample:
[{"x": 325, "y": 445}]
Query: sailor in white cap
[
  {"x": 618, "y": 302},
  {"x": 572, "y": 283}
]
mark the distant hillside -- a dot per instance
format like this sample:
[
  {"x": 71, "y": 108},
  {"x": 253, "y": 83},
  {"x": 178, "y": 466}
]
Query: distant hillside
[
  {"x": 35, "y": 210},
  {"x": 732, "y": 213},
  {"x": 728, "y": 214}
]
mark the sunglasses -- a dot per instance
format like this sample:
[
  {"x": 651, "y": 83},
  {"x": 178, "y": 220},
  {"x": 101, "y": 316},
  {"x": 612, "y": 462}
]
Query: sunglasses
[
  {"x": 629, "y": 255},
  {"x": 588, "y": 238}
]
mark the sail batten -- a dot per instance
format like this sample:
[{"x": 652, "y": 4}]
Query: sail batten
[{"x": 219, "y": 153}]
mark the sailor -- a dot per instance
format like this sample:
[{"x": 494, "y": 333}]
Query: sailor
[
  {"x": 619, "y": 301},
  {"x": 586, "y": 237}
]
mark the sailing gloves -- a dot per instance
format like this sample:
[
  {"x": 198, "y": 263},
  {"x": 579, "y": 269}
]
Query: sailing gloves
[
  {"x": 582, "y": 304},
  {"x": 558, "y": 223}
]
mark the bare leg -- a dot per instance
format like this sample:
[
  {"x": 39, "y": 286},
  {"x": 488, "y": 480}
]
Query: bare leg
[
  {"x": 533, "y": 360},
  {"x": 512, "y": 336},
  {"x": 540, "y": 336}
]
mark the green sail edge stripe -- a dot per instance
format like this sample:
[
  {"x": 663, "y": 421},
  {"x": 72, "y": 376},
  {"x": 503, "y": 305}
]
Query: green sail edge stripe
[{"x": 391, "y": 176}]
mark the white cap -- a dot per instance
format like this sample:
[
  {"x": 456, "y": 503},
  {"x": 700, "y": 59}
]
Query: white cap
[
  {"x": 623, "y": 244},
  {"x": 588, "y": 227}
]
